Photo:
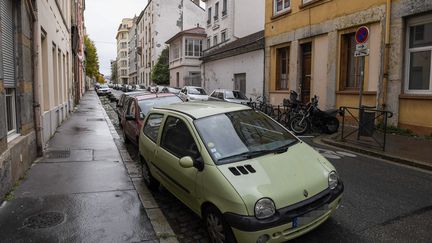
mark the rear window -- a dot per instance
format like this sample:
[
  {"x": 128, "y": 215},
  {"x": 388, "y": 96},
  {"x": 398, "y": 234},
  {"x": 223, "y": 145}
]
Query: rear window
[
  {"x": 147, "y": 105},
  {"x": 196, "y": 91}
]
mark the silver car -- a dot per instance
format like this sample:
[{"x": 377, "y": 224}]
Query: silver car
[
  {"x": 189, "y": 93},
  {"x": 233, "y": 96}
]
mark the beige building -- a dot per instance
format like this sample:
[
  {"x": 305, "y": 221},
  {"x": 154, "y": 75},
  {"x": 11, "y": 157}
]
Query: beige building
[
  {"x": 122, "y": 38},
  {"x": 54, "y": 69}
]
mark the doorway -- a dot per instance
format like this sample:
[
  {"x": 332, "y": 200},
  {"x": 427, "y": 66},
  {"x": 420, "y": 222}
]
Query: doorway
[
  {"x": 240, "y": 82},
  {"x": 306, "y": 72}
]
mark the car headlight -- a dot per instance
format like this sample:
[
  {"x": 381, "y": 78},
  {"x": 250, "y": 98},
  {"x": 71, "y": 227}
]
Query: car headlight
[
  {"x": 264, "y": 208},
  {"x": 333, "y": 180}
]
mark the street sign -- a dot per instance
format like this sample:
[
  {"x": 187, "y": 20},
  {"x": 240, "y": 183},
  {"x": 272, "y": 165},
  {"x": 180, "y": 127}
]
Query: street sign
[
  {"x": 361, "y": 53},
  {"x": 362, "y": 34},
  {"x": 360, "y": 47}
]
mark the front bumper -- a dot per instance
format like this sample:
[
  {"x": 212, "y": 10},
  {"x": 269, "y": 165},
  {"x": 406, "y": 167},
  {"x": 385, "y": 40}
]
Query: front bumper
[{"x": 288, "y": 222}]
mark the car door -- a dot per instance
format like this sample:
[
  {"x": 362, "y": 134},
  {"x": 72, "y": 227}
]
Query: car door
[
  {"x": 148, "y": 141},
  {"x": 177, "y": 142},
  {"x": 130, "y": 125}
]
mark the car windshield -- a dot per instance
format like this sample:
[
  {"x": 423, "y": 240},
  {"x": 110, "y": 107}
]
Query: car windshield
[
  {"x": 235, "y": 95},
  {"x": 146, "y": 105},
  {"x": 104, "y": 86},
  {"x": 241, "y": 135},
  {"x": 196, "y": 91}
]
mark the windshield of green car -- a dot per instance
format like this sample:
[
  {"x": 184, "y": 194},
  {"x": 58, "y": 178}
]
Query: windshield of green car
[{"x": 241, "y": 135}]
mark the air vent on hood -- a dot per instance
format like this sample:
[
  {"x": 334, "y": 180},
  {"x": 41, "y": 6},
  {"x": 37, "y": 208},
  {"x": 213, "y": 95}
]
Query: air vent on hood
[{"x": 242, "y": 170}]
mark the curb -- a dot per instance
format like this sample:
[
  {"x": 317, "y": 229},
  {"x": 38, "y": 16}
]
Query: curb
[
  {"x": 162, "y": 228},
  {"x": 379, "y": 154}
]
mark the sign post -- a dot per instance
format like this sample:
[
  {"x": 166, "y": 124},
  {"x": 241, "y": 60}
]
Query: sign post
[{"x": 362, "y": 50}]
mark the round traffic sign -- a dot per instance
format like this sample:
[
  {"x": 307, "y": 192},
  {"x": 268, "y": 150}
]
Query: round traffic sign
[{"x": 362, "y": 34}]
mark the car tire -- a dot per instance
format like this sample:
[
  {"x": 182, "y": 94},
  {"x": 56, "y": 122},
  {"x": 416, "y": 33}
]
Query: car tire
[
  {"x": 147, "y": 177},
  {"x": 217, "y": 228}
]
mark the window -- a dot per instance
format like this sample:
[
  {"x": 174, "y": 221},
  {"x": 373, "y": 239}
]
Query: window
[
  {"x": 215, "y": 40},
  {"x": 175, "y": 52},
  {"x": 151, "y": 128},
  {"x": 418, "y": 54},
  {"x": 209, "y": 15},
  {"x": 281, "y": 6},
  {"x": 223, "y": 36},
  {"x": 351, "y": 68},
  {"x": 224, "y": 8},
  {"x": 193, "y": 47},
  {"x": 131, "y": 108},
  {"x": 177, "y": 139},
  {"x": 282, "y": 68},
  {"x": 10, "y": 111},
  {"x": 216, "y": 15},
  {"x": 208, "y": 42}
]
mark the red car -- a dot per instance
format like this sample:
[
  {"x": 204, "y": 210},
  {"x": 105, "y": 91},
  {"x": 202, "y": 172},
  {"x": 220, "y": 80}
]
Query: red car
[{"x": 135, "y": 110}]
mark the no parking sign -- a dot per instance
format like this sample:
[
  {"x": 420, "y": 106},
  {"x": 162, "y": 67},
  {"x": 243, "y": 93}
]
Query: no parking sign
[{"x": 361, "y": 36}]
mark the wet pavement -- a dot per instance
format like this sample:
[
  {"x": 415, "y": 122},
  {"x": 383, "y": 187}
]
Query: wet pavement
[{"x": 80, "y": 191}]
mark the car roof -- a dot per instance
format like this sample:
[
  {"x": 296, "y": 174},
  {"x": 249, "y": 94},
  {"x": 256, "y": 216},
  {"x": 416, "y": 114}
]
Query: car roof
[
  {"x": 152, "y": 96},
  {"x": 197, "y": 87},
  {"x": 201, "y": 109}
]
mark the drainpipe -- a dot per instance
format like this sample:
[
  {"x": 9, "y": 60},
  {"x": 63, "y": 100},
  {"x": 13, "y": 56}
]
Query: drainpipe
[
  {"x": 386, "y": 55},
  {"x": 35, "y": 61}
]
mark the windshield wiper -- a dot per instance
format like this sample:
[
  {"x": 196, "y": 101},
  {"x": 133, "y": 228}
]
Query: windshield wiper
[{"x": 258, "y": 153}]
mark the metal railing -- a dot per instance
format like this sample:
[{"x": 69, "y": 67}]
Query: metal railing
[{"x": 364, "y": 125}]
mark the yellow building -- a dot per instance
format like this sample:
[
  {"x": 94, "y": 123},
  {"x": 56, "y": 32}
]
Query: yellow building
[{"x": 310, "y": 46}]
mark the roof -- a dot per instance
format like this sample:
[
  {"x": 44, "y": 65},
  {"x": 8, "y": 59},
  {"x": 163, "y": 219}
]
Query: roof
[
  {"x": 152, "y": 96},
  {"x": 246, "y": 44},
  {"x": 197, "y": 31},
  {"x": 201, "y": 109}
]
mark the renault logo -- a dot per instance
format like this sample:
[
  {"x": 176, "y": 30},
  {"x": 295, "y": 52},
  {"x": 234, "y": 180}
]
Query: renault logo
[{"x": 305, "y": 193}]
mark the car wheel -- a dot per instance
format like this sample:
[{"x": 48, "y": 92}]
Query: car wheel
[
  {"x": 218, "y": 230},
  {"x": 148, "y": 178}
]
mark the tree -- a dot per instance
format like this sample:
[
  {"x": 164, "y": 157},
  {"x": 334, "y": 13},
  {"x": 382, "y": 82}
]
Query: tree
[
  {"x": 114, "y": 72},
  {"x": 92, "y": 60},
  {"x": 160, "y": 72}
]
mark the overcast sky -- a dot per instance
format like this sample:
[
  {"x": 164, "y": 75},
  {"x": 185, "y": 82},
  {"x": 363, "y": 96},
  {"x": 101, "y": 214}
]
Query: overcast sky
[{"x": 102, "y": 18}]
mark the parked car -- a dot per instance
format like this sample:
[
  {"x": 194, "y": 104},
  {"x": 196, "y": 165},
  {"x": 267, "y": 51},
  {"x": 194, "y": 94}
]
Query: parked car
[
  {"x": 137, "y": 107},
  {"x": 189, "y": 93},
  {"x": 233, "y": 96},
  {"x": 103, "y": 90},
  {"x": 170, "y": 90},
  {"x": 247, "y": 176},
  {"x": 96, "y": 86},
  {"x": 121, "y": 104}
]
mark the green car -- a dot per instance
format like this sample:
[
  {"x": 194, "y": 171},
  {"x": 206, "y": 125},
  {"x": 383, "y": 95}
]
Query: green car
[{"x": 249, "y": 178}]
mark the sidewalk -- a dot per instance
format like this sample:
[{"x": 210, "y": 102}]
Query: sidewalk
[
  {"x": 80, "y": 191},
  {"x": 399, "y": 149}
]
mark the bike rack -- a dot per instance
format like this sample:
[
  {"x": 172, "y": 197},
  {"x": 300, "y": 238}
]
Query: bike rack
[{"x": 365, "y": 123}]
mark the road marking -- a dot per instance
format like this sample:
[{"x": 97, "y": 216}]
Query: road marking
[{"x": 330, "y": 154}]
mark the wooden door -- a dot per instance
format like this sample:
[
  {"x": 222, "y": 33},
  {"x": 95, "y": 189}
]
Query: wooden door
[{"x": 306, "y": 72}]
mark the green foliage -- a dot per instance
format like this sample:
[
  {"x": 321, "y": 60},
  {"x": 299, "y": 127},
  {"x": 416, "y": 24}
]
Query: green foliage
[
  {"x": 395, "y": 130},
  {"x": 160, "y": 72},
  {"x": 92, "y": 60}
]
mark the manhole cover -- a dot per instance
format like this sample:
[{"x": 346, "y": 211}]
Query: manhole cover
[
  {"x": 58, "y": 154},
  {"x": 95, "y": 119},
  {"x": 44, "y": 220}
]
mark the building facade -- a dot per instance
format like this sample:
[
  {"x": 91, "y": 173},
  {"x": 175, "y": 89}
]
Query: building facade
[
  {"x": 310, "y": 48},
  {"x": 159, "y": 21},
  {"x": 132, "y": 53},
  {"x": 234, "y": 53},
  {"x": 122, "y": 38},
  {"x": 77, "y": 35},
  {"x": 184, "y": 58}
]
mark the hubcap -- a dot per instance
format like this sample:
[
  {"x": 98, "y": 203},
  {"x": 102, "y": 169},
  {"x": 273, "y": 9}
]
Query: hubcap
[{"x": 215, "y": 228}]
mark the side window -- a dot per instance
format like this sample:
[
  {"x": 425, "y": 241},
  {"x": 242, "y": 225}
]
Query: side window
[
  {"x": 177, "y": 139},
  {"x": 213, "y": 94},
  {"x": 151, "y": 128},
  {"x": 220, "y": 95},
  {"x": 131, "y": 108}
]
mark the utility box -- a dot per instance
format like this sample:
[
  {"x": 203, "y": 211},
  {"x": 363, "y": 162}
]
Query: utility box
[{"x": 367, "y": 123}]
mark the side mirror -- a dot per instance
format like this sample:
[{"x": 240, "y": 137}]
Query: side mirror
[
  {"x": 129, "y": 117},
  {"x": 186, "y": 162},
  {"x": 142, "y": 116}
]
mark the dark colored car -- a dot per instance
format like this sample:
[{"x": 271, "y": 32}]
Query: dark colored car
[
  {"x": 137, "y": 107},
  {"x": 123, "y": 101}
]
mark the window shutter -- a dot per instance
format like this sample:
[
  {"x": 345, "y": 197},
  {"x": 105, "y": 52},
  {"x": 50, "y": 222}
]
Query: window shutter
[{"x": 7, "y": 40}]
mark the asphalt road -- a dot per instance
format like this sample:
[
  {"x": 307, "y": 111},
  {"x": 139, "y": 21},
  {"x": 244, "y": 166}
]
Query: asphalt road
[{"x": 383, "y": 202}]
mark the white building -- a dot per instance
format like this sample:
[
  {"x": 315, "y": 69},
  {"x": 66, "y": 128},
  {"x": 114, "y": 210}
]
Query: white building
[
  {"x": 132, "y": 53},
  {"x": 123, "y": 51},
  {"x": 158, "y": 22},
  {"x": 54, "y": 69},
  {"x": 184, "y": 59},
  {"x": 234, "y": 57}
]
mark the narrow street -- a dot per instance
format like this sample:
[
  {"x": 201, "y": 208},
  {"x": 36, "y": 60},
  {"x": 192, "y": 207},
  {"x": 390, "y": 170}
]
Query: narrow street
[{"x": 373, "y": 208}]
